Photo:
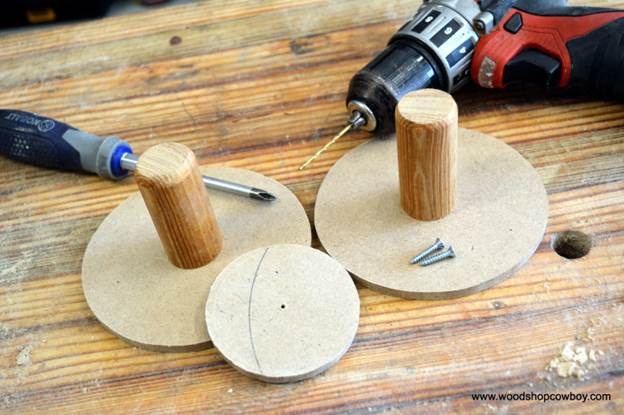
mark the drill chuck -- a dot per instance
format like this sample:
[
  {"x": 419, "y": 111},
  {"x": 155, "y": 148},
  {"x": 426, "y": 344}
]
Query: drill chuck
[{"x": 432, "y": 50}]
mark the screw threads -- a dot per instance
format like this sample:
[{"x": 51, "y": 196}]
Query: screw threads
[
  {"x": 437, "y": 245},
  {"x": 448, "y": 254}
]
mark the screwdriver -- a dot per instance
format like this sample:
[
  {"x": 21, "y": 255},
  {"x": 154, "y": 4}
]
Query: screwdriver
[{"x": 44, "y": 142}]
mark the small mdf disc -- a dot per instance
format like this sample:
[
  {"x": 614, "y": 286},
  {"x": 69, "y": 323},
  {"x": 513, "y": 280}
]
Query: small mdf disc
[
  {"x": 498, "y": 222},
  {"x": 135, "y": 291},
  {"x": 283, "y": 313}
]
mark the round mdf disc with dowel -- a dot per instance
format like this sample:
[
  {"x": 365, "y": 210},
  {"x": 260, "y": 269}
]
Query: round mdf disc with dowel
[
  {"x": 498, "y": 205},
  {"x": 283, "y": 313},
  {"x": 135, "y": 290}
]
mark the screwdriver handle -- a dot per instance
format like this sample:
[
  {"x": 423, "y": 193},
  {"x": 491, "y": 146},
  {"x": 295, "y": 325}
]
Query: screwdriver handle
[{"x": 44, "y": 142}]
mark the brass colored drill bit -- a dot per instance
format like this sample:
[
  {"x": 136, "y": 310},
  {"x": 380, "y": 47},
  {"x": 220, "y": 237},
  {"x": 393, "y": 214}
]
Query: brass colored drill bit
[
  {"x": 356, "y": 120},
  {"x": 326, "y": 146}
]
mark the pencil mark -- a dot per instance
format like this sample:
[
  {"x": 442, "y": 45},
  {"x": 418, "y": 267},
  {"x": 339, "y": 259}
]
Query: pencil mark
[{"x": 253, "y": 284}]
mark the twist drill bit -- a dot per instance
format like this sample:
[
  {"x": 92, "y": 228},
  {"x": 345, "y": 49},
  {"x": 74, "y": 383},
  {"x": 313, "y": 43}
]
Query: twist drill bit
[{"x": 355, "y": 121}]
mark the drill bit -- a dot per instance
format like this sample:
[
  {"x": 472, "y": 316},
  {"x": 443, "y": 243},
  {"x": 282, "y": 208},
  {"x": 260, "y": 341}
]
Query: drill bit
[{"x": 355, "y": 121}]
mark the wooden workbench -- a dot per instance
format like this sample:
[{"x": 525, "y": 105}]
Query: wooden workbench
[{"x": 259, "y": 85}]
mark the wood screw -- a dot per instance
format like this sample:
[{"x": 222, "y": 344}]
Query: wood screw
[
  {"x": 437, "y": 245},
  {"x": 448, "y": 254}
]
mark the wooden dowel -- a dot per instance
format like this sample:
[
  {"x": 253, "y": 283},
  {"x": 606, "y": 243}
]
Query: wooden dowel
[
  {"x": 170, "y": 182},
  {"x": 426, "y": 131}
]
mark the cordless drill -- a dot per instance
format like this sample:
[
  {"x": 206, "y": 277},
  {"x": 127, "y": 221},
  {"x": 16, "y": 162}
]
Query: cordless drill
[{"x": 494, "y": 42}]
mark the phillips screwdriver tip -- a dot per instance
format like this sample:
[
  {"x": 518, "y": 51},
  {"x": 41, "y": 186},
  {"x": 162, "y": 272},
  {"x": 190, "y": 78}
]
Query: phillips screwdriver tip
[{"x": 263, "y": 195}]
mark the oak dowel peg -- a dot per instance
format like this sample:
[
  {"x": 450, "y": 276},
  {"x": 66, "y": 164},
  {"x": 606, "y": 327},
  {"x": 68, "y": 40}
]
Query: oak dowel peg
[
  {"x": 426, "y": 132},
  {"x": 171, "y": 185}
]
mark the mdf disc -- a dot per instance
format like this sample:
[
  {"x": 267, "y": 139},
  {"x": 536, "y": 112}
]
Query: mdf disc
[
  {"x": 498, "y": 222},
  {"x": 135, "y": 291},
  {"x": 283, "y": 313}
]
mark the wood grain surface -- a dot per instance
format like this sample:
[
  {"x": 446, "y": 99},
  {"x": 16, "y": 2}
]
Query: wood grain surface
[
  {"x": 171, "y": 185},
  {"x": 260, "y": 85},
  {"x": 426, "y": 141}
]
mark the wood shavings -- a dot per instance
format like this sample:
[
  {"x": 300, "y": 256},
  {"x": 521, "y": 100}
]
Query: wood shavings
[
  {"x": 586, "y": 334},
  {"x": 23, "y": 357},
  {"x": 573, "y": 360},
  {"x": 496, "y": 410}
]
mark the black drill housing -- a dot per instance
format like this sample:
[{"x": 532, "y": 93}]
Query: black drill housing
[{"x": 402, "y": 67}]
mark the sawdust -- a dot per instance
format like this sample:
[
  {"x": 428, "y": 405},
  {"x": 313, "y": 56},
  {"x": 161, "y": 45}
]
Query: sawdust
[
  {"x": 573, "y": 361},
  {"x": 498, "y": 410},
  {"x": 586, "y": 334},
  {"x": 23, "y": 357}
]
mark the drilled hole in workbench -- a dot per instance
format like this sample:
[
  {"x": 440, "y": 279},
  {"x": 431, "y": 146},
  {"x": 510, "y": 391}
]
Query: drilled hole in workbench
[{"x": 572, "y": 244}]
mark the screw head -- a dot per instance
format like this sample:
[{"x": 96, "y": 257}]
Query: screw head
[{"x": 451, "y": 252}]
